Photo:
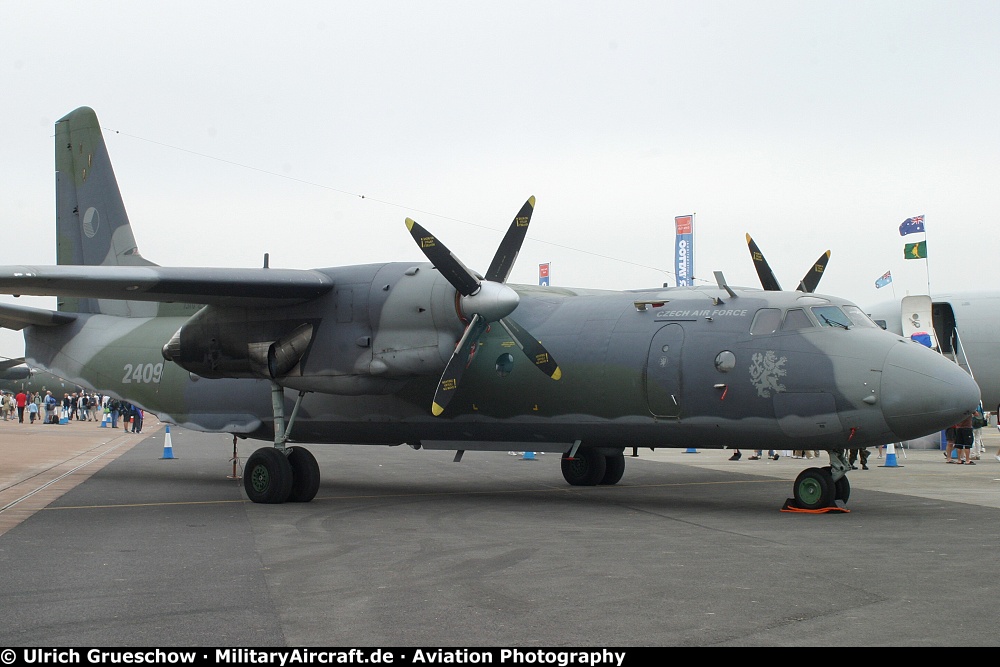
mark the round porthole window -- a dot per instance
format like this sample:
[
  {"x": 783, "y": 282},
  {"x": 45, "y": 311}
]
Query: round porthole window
[
  {"x": 725, "y": 361},
  {"x": 505, "y": 364}
]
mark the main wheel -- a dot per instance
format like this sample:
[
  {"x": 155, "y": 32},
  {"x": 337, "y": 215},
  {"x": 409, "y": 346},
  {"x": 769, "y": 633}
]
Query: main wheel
[
  {"x": 813, "y": 489},
  {"x": 586, "y": 469},
  {"x": 305, "y": 475},
  {"x": 267, "y": 476},
  {"x": 614, "y": 468}
]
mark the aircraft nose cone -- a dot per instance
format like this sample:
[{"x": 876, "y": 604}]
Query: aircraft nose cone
[{"x": 924, "y": 391}]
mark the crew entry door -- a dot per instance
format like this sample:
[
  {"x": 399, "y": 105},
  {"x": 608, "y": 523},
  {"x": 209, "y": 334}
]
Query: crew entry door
[{"x": 663, "y": 371}]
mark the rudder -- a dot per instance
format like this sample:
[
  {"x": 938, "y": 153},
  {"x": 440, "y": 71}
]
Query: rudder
[{"x": 92, "y": 226}]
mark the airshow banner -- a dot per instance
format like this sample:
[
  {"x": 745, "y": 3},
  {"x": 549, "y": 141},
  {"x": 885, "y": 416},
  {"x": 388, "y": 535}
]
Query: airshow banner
[
  {"x": 684, "y": 249},
  {"x": 543, "y": 274}
]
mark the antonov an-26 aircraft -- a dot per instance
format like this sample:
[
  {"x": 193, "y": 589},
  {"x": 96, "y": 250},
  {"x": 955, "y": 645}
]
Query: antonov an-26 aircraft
[{"x": 435, "y": 355}]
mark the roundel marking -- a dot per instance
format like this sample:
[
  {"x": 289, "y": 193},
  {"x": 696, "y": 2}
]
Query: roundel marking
[{"x": 91, "y": 222}]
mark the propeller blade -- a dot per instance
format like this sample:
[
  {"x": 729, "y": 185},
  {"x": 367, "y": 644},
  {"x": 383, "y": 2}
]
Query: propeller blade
[
  {"x": 811, "y": 279},
  {"x": 532, "y": 348},
  {"x": 460, "y": 277},
  {"x": 767, "y": 279},
  {"x": 459, "y": 361},
  {"x": 503, "y": 261}
]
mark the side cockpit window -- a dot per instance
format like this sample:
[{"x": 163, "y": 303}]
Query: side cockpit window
[
  {"x": 796, "y": 318},
  {"x": 766, "y": 321}
]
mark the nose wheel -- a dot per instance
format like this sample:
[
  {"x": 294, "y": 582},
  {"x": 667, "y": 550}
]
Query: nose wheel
[{"x": 815, "y": 489}]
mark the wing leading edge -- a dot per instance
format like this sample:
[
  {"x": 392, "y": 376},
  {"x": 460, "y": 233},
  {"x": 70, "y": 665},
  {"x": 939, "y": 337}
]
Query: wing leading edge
[{"x": 203, "y": 285}]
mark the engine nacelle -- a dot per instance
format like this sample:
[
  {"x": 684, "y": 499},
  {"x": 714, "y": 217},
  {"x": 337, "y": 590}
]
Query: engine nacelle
[{"x": 237, "y": 343}]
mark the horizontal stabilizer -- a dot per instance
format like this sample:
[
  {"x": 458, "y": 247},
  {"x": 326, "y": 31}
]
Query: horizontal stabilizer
[
  {"x": 215, "y": 286},
  {"x": 18, "y": 317}
]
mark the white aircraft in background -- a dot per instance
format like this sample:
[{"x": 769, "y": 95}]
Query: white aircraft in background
[{"x": 964, "y": 326}]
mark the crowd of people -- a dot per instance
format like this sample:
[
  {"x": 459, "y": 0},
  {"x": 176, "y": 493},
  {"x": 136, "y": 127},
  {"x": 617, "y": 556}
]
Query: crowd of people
[{"x": 81, "y": 406}]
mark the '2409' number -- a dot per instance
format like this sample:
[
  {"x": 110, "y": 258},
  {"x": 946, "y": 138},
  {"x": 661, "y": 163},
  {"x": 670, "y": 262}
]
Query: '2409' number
[{"x": 145, "y": 373}]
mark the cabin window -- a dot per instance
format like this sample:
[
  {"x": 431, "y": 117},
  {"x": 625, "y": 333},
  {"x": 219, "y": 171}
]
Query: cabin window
[
  {"x": 766, "y": 321},
  {"x": 725, "y": 361},
  {"x": 505, "y": 364},
  {"x": 796, "y": 318}
]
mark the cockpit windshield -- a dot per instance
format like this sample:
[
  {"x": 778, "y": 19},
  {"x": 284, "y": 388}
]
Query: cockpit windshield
[
  {"x": 832, "y": 316},
  {"x": 770, "y": 320},
  {"x": 859, "y": 318}
]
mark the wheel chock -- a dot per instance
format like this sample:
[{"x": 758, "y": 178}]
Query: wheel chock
[{"x": 790, "y": 506}]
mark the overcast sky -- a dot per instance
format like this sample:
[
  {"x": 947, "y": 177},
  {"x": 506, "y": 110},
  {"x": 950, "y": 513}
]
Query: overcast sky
[{"x": 239, "y": 128}]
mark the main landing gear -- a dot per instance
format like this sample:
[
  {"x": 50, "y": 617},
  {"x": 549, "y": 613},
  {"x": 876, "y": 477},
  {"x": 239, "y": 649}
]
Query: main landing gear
[
  {"x": 278, "y": 474},
  {"x": 819, "y": 489},
  {"x": 587, "y": 466}
]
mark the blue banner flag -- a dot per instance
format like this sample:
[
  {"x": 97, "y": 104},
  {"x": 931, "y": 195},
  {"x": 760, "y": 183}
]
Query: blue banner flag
[
  {"x": 684, "y": 249},
  {"x": 913, "y": 225},
  {"x": 884, "y": 280}
]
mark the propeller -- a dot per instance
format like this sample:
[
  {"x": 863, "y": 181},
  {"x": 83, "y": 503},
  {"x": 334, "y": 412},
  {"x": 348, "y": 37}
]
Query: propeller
[
  {"x": 808, "y": 283},
  {"x": 483, "y": 300}
]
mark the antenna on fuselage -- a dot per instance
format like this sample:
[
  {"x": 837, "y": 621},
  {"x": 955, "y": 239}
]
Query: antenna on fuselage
[{"x": 721, "y": 282}]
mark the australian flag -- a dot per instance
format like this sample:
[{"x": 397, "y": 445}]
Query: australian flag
[
  {"x": 913, "y": 225},
  {"x": 884, "y": 280}
]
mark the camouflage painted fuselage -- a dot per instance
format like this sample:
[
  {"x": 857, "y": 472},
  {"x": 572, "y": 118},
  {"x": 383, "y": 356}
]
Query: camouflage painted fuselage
[{"x": 681, "y": 370}]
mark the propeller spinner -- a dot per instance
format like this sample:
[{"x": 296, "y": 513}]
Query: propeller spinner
[{"x": 483, "y": 301}]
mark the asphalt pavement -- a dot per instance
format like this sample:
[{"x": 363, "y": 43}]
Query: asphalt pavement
[{"x": 103, "y": 542}]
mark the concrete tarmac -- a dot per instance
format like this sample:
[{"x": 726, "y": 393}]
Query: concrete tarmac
[{"x": 107, "y": 544}]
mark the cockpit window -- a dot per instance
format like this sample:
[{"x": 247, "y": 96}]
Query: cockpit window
[
  {"x": 832, "y": 316},
  {"x": 766, "y": 321},
  {"x": 859, "y": 318},
  {"x": 796, "y": 318}
]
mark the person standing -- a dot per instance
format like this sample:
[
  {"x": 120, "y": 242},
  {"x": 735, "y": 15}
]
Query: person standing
[
  {"x": 113, "y": 411},
  {"x": 964, "y": 439},
  {"x": 21, "y": 400},
  {"x": 51, "y": 408},
  {"x": 136, "y": 419},
  {"x": 861, "y": 453},
  {"x": 32, "y": 409},
  {"x": 949, "y": 438}
]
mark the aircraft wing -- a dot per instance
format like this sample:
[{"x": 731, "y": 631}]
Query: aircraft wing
[
  {"x": 7, "y": 364},
  {"x": 17, "y": 317},
  {"x": 206, "y": 285}
]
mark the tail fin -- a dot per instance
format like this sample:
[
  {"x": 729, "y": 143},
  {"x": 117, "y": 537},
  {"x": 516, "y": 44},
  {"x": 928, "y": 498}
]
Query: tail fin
[{"x": 92, "y": 227}]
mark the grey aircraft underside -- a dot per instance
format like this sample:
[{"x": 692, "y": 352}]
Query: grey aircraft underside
[{"x": 431, "y": 354}]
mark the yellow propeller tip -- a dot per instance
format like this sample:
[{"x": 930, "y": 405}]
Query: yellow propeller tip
[
  {"x": 409, "y": 224},
  {"x": 557, "y": 374},
  {"x": 436, "y": 410}
]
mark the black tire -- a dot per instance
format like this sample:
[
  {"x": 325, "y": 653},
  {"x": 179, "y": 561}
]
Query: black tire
[
  {"x": 841, "y": 488},
  {"x": 614, "y": 468},
  {"x": 587, "y": 469},
  {"x": 267, "y": 476},
  {"x": 814, "y": 489},
  {"x": 305, "y": 475}
]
